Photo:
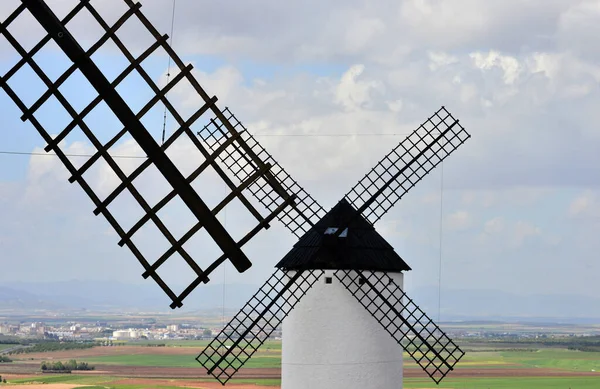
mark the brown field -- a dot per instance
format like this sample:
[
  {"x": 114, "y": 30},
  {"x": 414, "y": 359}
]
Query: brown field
[
  {"x": 200, "y": 385},
  {"x": 54, "y": 386},
  {"x": 106, "y": 351},
  {"x": 27, "y": 366},
  {"x": 157, "y": 372}
]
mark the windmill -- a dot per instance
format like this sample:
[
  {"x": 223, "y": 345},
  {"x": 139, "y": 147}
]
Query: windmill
[
  {"x": 340, "y": 289},
  {"x": 339, "y": 249}
]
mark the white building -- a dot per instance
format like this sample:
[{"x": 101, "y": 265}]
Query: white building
[{"x": 126, "y": 334}]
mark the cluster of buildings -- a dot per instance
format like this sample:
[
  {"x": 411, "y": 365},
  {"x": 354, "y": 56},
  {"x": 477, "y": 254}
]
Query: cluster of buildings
[
  {"x": 105, "y": 332},
  {"x": 35, "y": 328},
  {"x": 42, "y": 330},
  {"x": 172, "y": 331}
]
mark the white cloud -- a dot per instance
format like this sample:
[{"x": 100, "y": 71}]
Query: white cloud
[
  {"x": 522, "y": 231},
  {"x": 501, "y": 234},
  {"x": 354, "y": 94},
  {"x": 383, "y": 32},
  {"x": 494, "y": 226},
  {"x": 513, "y": 196},
  {"x": 509, "y": 65},
  {"x": 585, "y": 206},
  {"x": 459, "y": 220},
  {"x": 577, "y": 27},
  {"x": 439, "y": 59}
]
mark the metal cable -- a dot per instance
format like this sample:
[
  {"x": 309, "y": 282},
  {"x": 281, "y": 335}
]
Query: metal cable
[
  {"x": 164, "y": 130},
  {"x": 441, "y": 240}
]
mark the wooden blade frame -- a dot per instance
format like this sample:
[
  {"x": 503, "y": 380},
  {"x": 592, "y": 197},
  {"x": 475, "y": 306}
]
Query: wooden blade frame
[
  {"x": 420, "y": 337},
  {"x": 57, "y": 31},
  {"x": 406, "y": 165},
  {"x": 255, "y": 322},
  {"x": 299, "y": 218}
]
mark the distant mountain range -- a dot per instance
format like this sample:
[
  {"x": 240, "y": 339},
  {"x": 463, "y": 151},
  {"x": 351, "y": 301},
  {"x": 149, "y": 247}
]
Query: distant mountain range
[
  {"x": 109, "y": 296},
  {"x": 504, "y": 306},
  {"x": 455, "y": 304}
]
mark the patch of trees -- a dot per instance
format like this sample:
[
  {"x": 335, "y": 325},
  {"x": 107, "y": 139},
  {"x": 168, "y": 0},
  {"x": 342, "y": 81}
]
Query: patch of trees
[
  {"x": 14, "y": 340},
  {"x": 52, "y": 346},
  {"x": 488, "y": 350},
  {"x": 4, "y": 359},
  {"x": 591, "y": 344},
  {"x": 588, "y": 349},
  {"x": 66, "y": 367},
  {"x": 577, "y": 343},
  {"x": 2, "y": 380},
  {"x": 156, "y": 345}
]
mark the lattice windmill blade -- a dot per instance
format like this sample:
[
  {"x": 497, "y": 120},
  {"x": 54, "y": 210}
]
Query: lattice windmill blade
[
  {"x": 407, "y": 164},
  {"x": 255, "y": 322},
  {"x": 180, "y": 185},
  {"x": 299, "y": 218},
  {"x": 424, "y": 341}
]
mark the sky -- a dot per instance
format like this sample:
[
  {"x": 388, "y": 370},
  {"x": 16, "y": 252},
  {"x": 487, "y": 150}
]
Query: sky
[{"x": 328, "y": 88}]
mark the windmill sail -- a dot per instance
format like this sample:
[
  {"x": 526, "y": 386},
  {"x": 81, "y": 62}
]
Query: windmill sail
[
  {"x": 421, "y": 338},
  {"x": 407, "y": 164},
  {"x": 240, "y": 158},
  {"x": 131, "y": 127},
  {"x": 255, "y": 322}
]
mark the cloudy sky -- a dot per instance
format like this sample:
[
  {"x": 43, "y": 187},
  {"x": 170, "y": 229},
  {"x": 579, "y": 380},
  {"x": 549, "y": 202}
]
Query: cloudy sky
[{"x": 328, "y": 88}]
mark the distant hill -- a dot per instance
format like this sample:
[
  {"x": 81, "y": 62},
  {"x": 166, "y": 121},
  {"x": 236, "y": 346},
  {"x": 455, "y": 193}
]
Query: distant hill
[
  {"x": 455, "y": 304},
  {"x": 22, "y": 299},
  {"x": 106, "y": 295},
  {"x": 499, "y": 305}
]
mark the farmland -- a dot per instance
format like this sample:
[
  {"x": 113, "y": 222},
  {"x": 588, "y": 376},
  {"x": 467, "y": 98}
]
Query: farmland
[
  {"x": 6, "y": 346},
  {"x": 488, "y": 364}
]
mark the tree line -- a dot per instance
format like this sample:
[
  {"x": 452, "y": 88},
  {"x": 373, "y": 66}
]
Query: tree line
[
  {"x": 67, "y": 366},
  {"x": 577, "y": 343},
  {"x": 52, "y": 346}
]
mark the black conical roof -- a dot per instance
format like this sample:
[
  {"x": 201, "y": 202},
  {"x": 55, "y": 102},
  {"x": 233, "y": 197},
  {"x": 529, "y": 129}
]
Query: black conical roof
[{"x": 360, "y": 248}]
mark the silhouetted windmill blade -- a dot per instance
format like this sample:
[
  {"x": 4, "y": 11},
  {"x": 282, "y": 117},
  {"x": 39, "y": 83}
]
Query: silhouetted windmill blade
[
  {"x": 255, "y": 322},
  {"x": 305, "y": 213},
  {"x": 421, "y": 338},
  {"x": 407, "y": 164},
  {"x": 179, "y": 185}
]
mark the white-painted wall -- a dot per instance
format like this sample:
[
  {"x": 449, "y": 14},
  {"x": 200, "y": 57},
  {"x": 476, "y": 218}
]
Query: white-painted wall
[{"x": 330, "y": 341}]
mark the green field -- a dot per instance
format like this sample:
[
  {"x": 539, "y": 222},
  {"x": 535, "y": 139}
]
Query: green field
[
  {"x": 556, "y": 359},
  {"x": 411, "y": 383},
  {"x": 509, "y": 383},
  {"x": 551, "y": 358},
  {"x": 199, "y": 344},
  {"x": 169, "y": 343},
  {"x": 260, "y": 360},
  {"x": 490, "y": 357},
  {"x": 5, "y": 346}
]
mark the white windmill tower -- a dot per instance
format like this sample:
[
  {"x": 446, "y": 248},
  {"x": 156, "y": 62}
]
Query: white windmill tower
[
  {"x": 338, "y": 292},
  {"x": 329, "y": 339}
]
